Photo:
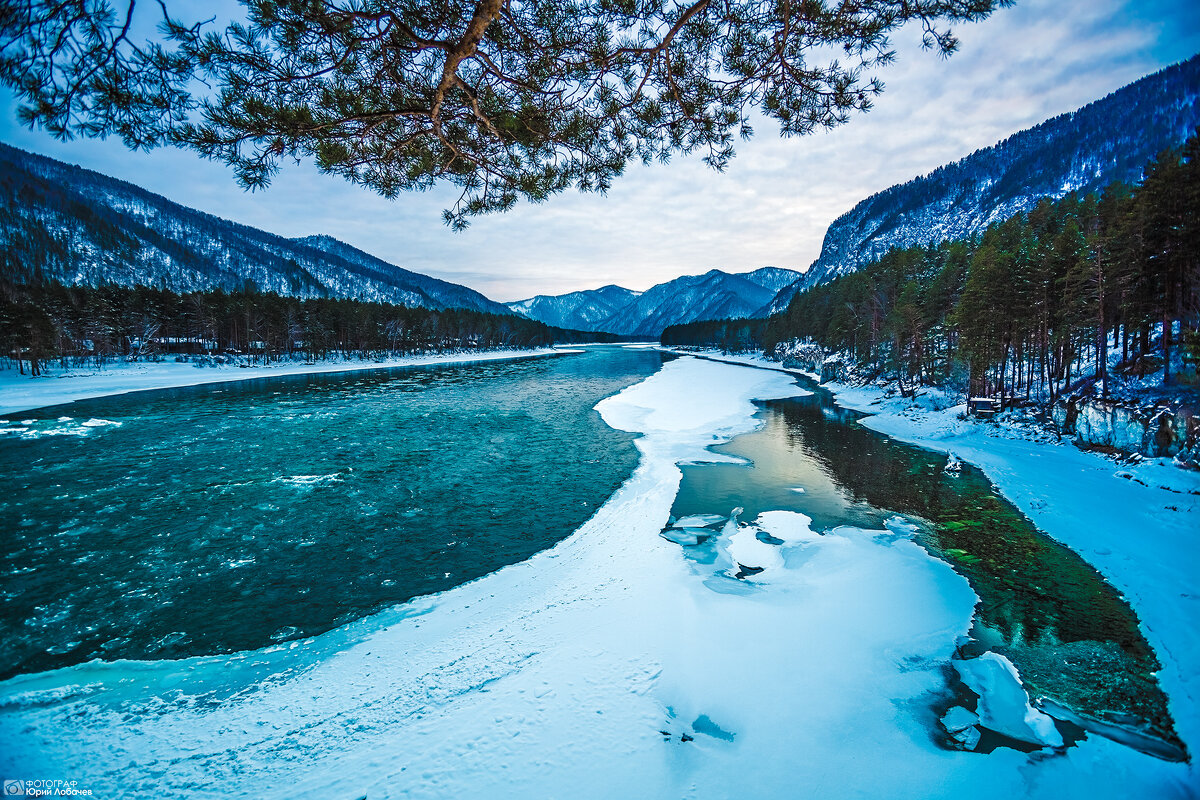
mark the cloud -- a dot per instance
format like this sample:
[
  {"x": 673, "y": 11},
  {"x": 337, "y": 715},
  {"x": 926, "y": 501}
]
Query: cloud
[{"x": 1023, "y": 65}]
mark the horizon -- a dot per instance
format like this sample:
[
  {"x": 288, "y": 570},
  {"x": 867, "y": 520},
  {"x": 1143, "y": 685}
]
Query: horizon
[{"x": 658, "y": 223}]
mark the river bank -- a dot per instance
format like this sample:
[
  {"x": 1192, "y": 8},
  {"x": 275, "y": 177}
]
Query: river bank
[
  {"x": 1135, "y": 522},
  {"x": 609, "y": 665},
  {"x": 55, "y": 385}
]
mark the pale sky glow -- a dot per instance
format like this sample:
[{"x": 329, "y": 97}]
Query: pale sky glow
[{"x": 1026, "y": 64}]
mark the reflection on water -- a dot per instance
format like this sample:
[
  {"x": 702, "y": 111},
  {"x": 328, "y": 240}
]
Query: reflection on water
[
  {"x": 1068, "y": 631},
  {"x": 226, "y": 517}
]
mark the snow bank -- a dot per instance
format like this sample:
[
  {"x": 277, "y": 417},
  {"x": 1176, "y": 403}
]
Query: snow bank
[
  {"x": 23, "y": 392},
  {"x": 613, "y": 665},
  {"x": 1136, "y": 524}
]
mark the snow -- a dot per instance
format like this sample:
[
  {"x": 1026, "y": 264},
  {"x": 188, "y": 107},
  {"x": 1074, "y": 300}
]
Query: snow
[
  {"x": 1003, "y": 704},
  {"x": 612, "y": 665},
  {"x": 698, "y": 520},
  {"x": 23, "y": 392},
  {"x": 1140, "y": 534}
]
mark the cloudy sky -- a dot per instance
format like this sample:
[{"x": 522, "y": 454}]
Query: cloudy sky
[{"x": 771, "y": 207}]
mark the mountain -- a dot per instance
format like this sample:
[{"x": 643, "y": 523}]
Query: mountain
[
  {"x": 1108, "y": 140},
  {"x": 773, "y": 278},
  {"x": 713, "y": 295},
  {"x": 63, "y": 223},
  {"x": 582, "y": 311},
  {"x": 438, "y": 293}
]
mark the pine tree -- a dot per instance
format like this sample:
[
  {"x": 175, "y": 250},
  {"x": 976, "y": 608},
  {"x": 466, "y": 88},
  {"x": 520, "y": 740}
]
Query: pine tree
[{"x": 503, "y": 100}]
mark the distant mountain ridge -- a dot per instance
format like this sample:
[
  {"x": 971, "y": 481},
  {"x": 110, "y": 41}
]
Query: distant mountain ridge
[
  {"x": 71, "y": 225},
  {"x": 1110, "y": 139},
  {"x": 713, "y": 295},
  {"x": 583, "y": 310}
]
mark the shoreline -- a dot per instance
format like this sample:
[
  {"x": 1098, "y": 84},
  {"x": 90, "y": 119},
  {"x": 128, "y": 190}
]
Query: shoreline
[
  {"x": 1134, "y": 524},
  {"x": 27, "y": 393},
  {"x": 604, "y": 662}
]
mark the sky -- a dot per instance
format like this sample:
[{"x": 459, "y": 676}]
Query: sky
[{"x": 771, "y": 207}]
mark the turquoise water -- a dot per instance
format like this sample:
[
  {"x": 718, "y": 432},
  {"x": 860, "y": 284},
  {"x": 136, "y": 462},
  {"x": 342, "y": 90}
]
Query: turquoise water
[{"x": 226, "y": 517}]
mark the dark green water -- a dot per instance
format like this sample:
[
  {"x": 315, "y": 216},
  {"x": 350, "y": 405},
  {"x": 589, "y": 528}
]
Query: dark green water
[
  {"x": 1067, "y": 630},
  {"x": 221, "y": 518}
]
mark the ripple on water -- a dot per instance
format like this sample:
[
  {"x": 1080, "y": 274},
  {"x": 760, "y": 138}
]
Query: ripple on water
[{"x": 226, "y": 515}]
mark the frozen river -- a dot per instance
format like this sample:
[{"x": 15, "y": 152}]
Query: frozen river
[{"x": 844, "y": 611}]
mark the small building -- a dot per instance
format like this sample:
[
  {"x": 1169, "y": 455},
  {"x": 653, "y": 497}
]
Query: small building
[
  {"x": 184, "y": 345},
  {"x": 983, "y": 407}
]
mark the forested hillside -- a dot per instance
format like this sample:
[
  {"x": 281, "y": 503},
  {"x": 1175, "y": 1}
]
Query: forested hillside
[
  {"x": 1107, "y": 141},
  {"x": 83, "y": 325},
  {"x": 77, "y": 227},
  {"x": 1042, "y": 303}
]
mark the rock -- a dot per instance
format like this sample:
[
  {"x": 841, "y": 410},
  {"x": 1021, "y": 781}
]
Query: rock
[
  {"x": 832, "y": 369},
  {"x": 1152, "y": 431}
]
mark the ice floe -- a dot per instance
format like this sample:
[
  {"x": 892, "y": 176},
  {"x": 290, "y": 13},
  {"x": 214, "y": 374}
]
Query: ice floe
[
  {"x": 62, "y": 426},
  {"x": 1003, "y": 704}
]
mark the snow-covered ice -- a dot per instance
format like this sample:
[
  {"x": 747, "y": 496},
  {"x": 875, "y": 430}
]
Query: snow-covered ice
[
  {"x": 1140, "y": 534},
  {"x": 698, "y": 520},
  {"x": 1003, "y": 704},
  {"x": 22, "y": 392},
  {"x": 1138, "y": 531},
  {"x": 604, "y": 667}
]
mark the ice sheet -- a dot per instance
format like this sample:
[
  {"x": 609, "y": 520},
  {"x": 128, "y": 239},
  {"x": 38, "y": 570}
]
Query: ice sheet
[{"x": 22, "y": 392}]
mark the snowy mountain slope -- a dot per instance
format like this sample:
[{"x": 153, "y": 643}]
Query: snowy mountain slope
[
  {"x": 773, "y": 278},
  {"x": 583, "y": 310},
  {"x": 1108, "y": 140},
  {"x": 439, "y": 293},
  {"x": 713, "y": 295},
  {"x": 62, "y": 223},
  {"x": 779, "y": 302}
]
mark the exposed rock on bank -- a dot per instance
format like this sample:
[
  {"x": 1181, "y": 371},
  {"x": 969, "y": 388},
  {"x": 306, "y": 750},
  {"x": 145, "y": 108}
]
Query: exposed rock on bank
[{"x": 1153, "y": 431}]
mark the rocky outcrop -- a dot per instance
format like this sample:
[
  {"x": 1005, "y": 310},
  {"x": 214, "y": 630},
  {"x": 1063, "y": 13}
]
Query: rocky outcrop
[
  {"x": 795, "y": 354},
  {"x": 1153, "y": 431},
  {"x": 832, "y": 369}
]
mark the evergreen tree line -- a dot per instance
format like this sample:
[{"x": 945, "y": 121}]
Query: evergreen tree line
[
  {"x": 730, "y": 335},
  {"x": 1028, "y": 310},
  {"x": 75, "y": 325}
]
